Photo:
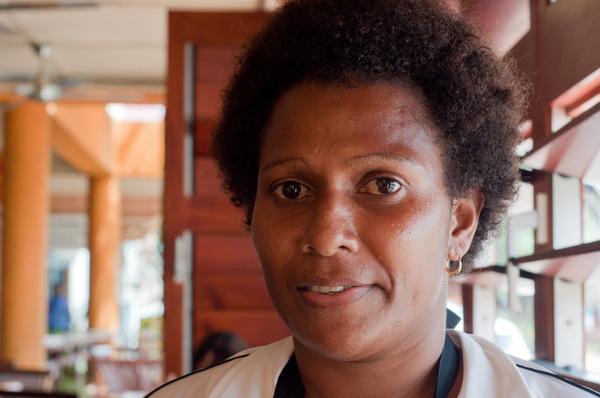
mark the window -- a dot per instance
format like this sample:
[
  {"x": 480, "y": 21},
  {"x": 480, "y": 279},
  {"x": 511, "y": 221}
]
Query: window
[
  {"x": 591, "y": 316},
  {"x": 591, "y": 211},
  {"x": 515, "y": 328}
]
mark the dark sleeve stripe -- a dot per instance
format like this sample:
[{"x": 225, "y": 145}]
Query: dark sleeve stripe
[
  {"x": 571, "y": 382},
  {"x": 193, "y": 373}
]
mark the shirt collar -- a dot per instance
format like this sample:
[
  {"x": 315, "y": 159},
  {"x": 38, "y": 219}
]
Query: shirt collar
[{"x": 289, "y": 383}]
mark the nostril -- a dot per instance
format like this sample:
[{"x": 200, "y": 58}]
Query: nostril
[
  {"x": 351, "y": 243},
  {"x": 351, "y": 246},
  {"x": 330, "y": 245}
]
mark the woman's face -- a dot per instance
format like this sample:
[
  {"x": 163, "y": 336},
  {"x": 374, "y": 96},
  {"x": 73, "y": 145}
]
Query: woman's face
[{"x": 352, "y": 221}]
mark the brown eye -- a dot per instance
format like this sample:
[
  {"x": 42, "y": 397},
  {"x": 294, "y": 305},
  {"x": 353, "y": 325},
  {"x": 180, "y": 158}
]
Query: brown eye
[
  {"x": 290, "y": 190},
  {"x": 386, "y": 186}
]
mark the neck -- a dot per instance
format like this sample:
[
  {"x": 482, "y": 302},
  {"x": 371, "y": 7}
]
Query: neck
[{"x": 408, "y": 370}]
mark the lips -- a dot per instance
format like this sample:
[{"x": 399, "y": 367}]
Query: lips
[
  {"x": 328, "y": 289},
  {"x": 327, "y": 295}
]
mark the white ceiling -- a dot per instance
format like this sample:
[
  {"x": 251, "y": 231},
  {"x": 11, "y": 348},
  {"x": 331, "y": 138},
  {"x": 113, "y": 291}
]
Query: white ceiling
[
  {"x": 124, "y": 42},
  {"x": 116, "y": 41}
]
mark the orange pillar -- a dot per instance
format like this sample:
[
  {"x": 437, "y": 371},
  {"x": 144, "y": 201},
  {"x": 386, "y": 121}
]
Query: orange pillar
[
  {"x": 104, "y": 242},
  {"x": 26, "y": 206}
]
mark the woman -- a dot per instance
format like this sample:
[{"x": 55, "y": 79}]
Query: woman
[{"x": 371, "y": 144}]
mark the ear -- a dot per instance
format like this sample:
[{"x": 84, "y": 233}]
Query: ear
[{"x": 465, "y": 217}]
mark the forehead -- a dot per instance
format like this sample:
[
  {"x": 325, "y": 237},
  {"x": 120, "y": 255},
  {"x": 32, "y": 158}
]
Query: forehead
[{"x": 364, "y": 118}]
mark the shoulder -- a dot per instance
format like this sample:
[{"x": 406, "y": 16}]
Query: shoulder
[
  {"x": 487, "y": 368},
  {"x": 547, "y": 382},
  {"x": 252, "y": 373},
  {"x": 198, "y": 383}
]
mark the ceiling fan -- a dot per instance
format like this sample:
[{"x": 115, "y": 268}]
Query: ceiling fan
[
  {"x": 46, "y": 87},
  {"x": 43, "y": 88}
]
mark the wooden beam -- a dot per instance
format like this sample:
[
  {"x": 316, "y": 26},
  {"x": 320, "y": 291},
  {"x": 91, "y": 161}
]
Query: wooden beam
[
  {"x": 7, "y": 97},
  {"x": 139, "y": 149},
  {"x": 81, "y": 135},
  {"x": 131, "y": 206},
  {"x": 467, "y": 298},
  {"x": 544, "y": 317}
]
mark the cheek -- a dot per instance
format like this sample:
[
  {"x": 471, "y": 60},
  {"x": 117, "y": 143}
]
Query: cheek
[
  {"x": 269, "y": 248},
  {"x": 267, "y": 258},
  {"x": 416, "y": 224},
  {"x": 414, "y": 243}
]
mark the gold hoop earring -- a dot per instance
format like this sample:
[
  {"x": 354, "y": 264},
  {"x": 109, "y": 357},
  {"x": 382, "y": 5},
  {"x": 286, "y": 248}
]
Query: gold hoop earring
[{"x": 457, "y": 270}]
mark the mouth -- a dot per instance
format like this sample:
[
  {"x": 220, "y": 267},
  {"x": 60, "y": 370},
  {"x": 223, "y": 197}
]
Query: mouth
[
  {"x": 330, "y": 290},
  {"x": 327, "y": 297}
]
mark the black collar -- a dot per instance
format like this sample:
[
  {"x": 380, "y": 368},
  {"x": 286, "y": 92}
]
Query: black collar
[
  {"x": 449, "y": 366},
  {"x": 289, "y": 383}
]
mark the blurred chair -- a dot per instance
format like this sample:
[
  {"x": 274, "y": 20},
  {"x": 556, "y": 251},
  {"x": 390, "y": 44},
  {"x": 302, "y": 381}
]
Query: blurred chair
[
  {"x": 6, "y": 365},
  {"x": 30, "y": 380},
  {"x": 119, "y": 376}
]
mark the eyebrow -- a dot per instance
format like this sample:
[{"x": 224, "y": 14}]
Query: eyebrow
[
  {"x": 385, "y": 155},
  {"x": 356, "y": 159},
  {"x": 278, "y": 162}
]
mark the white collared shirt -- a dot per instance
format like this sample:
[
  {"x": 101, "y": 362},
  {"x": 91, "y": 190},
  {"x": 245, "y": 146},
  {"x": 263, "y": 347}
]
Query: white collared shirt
[{"x": 487, "y": 373}]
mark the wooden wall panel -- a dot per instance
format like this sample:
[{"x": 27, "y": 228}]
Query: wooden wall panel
[
  {"x": 225, "y": 254},
  {"x": 202, "y": 129},
  {"x": 544, "y": 317},
  {"x": 210, "y": 216},
  {"x": 227, "y": 288},
  {"x": 208, "y": 104},
  {"x": 223, "y": 292},
  {"x": 206, "y": 182},
  {"x": 257, "y": 327},
  {"x": 214, "y": 64}
]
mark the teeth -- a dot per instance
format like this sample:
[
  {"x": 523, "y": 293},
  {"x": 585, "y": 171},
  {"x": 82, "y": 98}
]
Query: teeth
[{"x": 328, "y": 289}]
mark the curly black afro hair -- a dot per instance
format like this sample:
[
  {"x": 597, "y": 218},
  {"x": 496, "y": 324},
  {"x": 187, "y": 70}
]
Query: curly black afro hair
[{"x": 473, "y": 96}]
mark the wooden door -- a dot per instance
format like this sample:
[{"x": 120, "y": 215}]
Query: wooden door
[{"x": 223, "y": 289}]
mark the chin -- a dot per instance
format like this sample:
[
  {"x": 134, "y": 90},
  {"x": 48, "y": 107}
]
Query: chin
[{"x": 346, "y": 346}]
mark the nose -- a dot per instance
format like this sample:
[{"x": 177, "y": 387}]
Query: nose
[{"x": 331, "y": 228}]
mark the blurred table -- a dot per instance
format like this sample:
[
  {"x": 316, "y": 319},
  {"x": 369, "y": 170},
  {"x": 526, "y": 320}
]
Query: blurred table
[{"x": 65, "y": 349}]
